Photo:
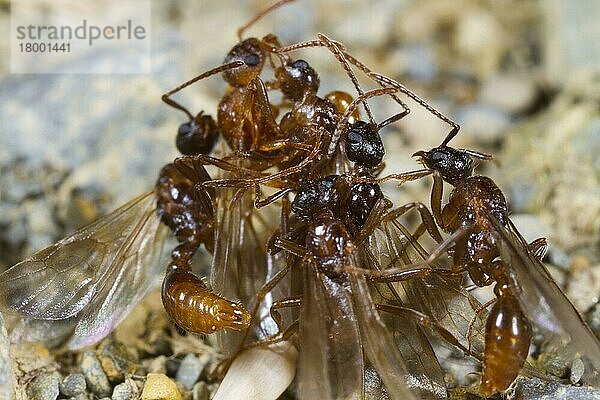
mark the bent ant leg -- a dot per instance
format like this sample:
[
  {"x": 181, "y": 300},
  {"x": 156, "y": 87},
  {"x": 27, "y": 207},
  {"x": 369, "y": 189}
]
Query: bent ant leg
[
  {"x": 474, "y": 319},
  {"x": 167, "y": 96},
  {"x": 289, "y": 302},
  {"x": 426, "y": 321},
  {"x": 427, "y": 219},
  {"x": 260, "y": 203},
  {"x": 385, "y": 81}
]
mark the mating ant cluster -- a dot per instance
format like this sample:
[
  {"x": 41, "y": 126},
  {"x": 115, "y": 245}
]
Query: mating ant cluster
[{"x": 343, "y": 253}]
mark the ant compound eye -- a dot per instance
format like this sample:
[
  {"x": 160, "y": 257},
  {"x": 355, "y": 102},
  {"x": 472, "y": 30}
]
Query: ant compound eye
[
  {"x": 252, "y": 59},
  {"x": 251, "y": 54},
  {"x": 198, "y": 136},
  {"x": 364, "y": 145},
  {"x": 296, "y": 79}
]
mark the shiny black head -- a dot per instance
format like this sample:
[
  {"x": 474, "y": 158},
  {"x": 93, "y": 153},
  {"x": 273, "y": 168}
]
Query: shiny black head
[
  {"x": 197, "y": 136},
  {"x": 314, "y": 197},
  {"x": 454, "y": 165},
  {"x": 296, "y": 79},
  {"x": 363, "y": 144}
]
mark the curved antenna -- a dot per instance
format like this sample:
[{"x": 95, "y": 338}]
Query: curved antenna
[
  {"x": 167, "y": 96},
  {"x": 261, "y": 14}
]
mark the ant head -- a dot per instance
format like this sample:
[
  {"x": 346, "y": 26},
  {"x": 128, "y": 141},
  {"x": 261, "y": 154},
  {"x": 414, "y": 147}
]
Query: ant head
[
  {"x": 363, "y": 144},
  {"x": 454, "y": 165},
  {"x": 252, "y": 54},
  {"x": 297, "y": 78},
  {"x": 197, "y": 136},
  {"x": 313, "y": 197}
]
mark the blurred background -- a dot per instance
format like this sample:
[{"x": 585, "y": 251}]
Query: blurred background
[{"x": 522, "y": 78}]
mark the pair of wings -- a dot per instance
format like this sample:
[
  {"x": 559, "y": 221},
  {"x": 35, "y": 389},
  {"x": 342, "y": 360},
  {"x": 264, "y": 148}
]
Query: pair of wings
[{"x": 77, "y": 290}]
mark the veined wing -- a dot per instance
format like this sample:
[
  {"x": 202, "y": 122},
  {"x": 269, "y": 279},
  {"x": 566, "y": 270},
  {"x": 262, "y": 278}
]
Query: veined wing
[
  {"x": 91, "y": 279},
  {"x": 439, "y": 296},
  {"x": 330, "y": 363},
  {"x": 565, "y": 332},
  {"x": 382, "y": 352}
]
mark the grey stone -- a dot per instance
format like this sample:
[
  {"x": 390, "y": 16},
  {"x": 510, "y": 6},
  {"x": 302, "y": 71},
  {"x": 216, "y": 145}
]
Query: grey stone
[
  {"x": 44, "y": 387},
  {"x": 535, "y": 389},
  {"x": 7, "y": 377},
  {"x": 189, "y": 370},
  {"x": 96, "y": 379},
  {"x": 200, "y": 391},
  {"x": 72, "y": 385},
  {"x": 123, "y": 391},
  {"x": 508, "y": 92}
]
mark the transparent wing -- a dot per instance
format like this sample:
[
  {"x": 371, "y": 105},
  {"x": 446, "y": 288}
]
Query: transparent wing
[
  {"x": 441, "y": 297},
  {"x": 382, "y": 350},
  {"x": 330, "y": 363},
  {"x": 240, "y": 264},
  {"x": 565, "y": 332},
  {"x": 91, "y": 279}
]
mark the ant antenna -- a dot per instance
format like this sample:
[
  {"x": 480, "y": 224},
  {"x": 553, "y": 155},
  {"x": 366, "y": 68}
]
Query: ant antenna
[
  {"x": 167, "y": 96},
  {"x": 260, "y": 15}
]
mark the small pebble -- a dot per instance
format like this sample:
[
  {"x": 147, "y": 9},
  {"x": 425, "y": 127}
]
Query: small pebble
[
  {"x": 189, "y": 370},
  {"x": 160, "y": 387},
  {"x": 123, "y": 391},
  {"x": 7, "y": 379},
  {"x": 577, "y": 370},
  {"x": 582, "y": 289},
  {"x": 116, "y": 359},
  {"x": 44, "y": 387},
  {"x": 509, "y": 93},
  {"x": 200, "y": 391},
  {"x": 72, "y": 385},
  {"x": 96, "y": 379}
]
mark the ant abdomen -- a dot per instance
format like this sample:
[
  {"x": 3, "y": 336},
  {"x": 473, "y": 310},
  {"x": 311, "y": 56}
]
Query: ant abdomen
[
  {"x": 507, "y": 338},
  {"x": 197, "y": 136},
  {"x": 341, "y": 101},
  {"x": 193, "y": 307}
]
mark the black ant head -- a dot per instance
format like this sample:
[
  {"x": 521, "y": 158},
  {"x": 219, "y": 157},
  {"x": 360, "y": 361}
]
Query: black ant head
[
  {"x": 313, "y": 197},
  {"x": 363, "y": 144},
  {"x": 297, "y": 79},
  {"x": 197, "y": 136},
  {"x": 454, "y": 165},
  {"x": 252, "y": 54}
]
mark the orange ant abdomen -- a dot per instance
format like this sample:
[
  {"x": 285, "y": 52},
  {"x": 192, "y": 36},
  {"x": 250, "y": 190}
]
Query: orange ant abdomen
[
  {"x": 507, "y": 338},
  {"x": 193, "y": 307}
]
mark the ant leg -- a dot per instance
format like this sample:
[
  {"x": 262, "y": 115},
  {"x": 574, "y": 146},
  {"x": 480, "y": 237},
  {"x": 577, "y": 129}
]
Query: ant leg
[
  {"x": 339, "y": 54},
  {"x": 538, "y": 248},
  {"x": 289, "y": 302},
  {"x": 292, "y": 247},
  {"x": 265, "y": 108},
  {"x": 167, "y": 96},
  {"x": 260, "y": 203},
  {"x": 437, "y": 193},
  {"x": 384, "y": 80},
  {"x": 182, "y": 163},
  {"x": 426, "y": 321},
  {"x": 276, "y": 338},
  {"x": 261, "y": 14},
  {"x": 403, "y": 177},
  {"x": 474, "y": 319},
  {"x": 426, "y": 218}
]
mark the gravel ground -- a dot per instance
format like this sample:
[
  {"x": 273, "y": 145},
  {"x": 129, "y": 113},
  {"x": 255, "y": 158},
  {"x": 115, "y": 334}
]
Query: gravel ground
[{"x": 521, "y": 77}]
